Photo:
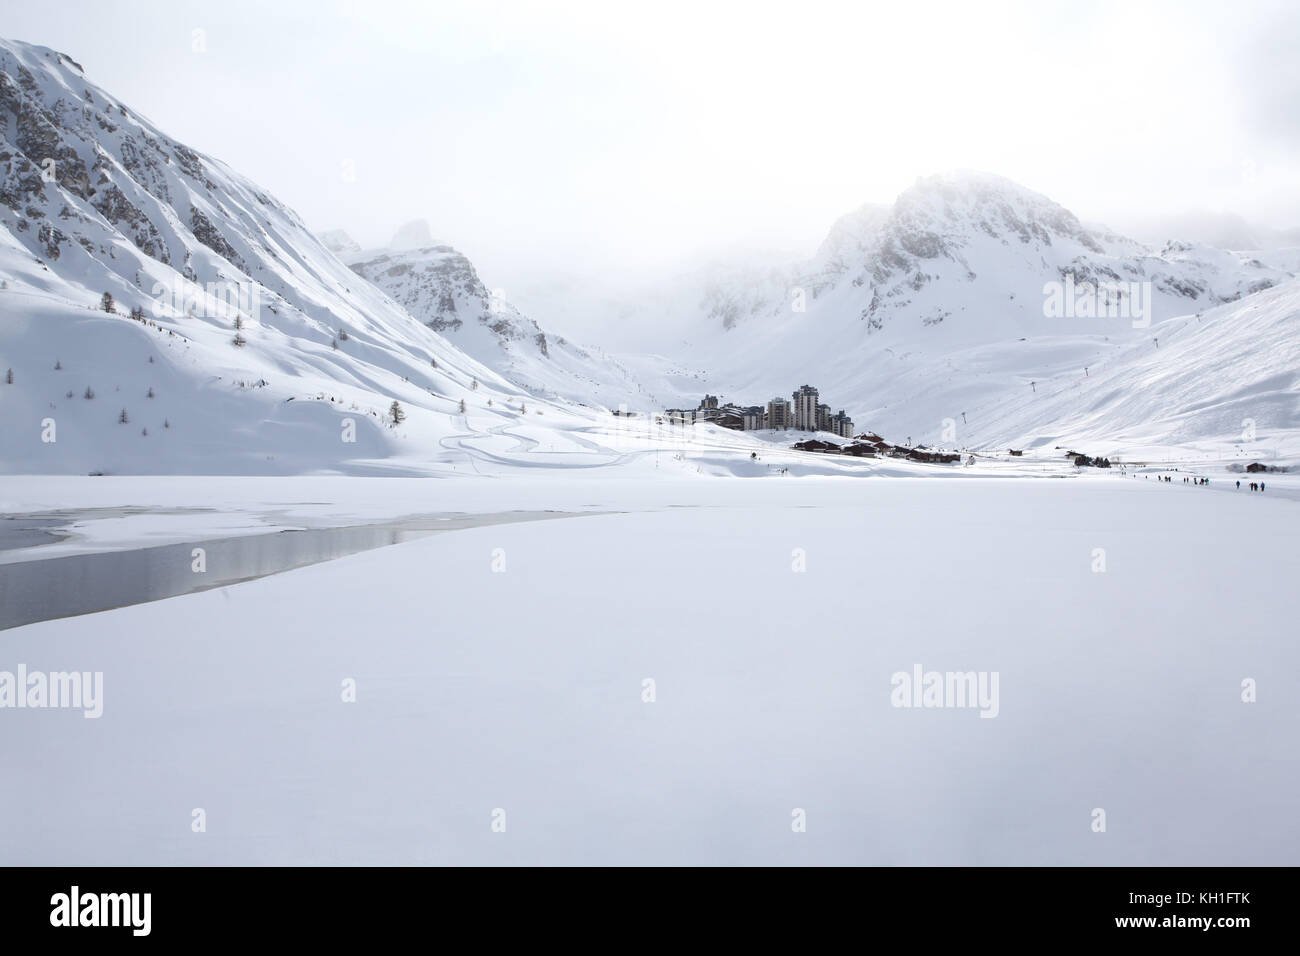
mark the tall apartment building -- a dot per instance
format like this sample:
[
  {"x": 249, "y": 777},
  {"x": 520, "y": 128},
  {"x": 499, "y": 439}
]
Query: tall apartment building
[
  {"x": 805, "y": 408},
  {"x": 755, "y": 418},
  {"x": 779, "y": 414},
  {"x": 841, "y": 425},
  {"x": 824, "y": 418}
]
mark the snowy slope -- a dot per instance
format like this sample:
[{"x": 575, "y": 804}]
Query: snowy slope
[
  {"x": 440, "y": 287},
  {"x": 95, "y": 199},
  {"x": 1226, "y": 381}
]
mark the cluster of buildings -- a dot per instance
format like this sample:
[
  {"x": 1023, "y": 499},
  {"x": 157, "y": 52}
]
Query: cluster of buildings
[{"x": 802, "y": 411}]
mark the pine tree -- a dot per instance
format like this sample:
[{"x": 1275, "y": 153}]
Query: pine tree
[
  {"x": 166, "y": 423},
  {"x": 9, "y": 377},
  {"x": 463, "y": 409},
  {"x": 239, "y": 340},
  {"x": 335, "y": 344},
  {"x": 474, "y": 385},
  {"x": 396, "y": 414},
  {"x": 343, "y": 335},
  {"x": 149, "y": 394},
  {"x": 90, "y": 393},
  {"x": 122, "y": 419},
  {"x": 58, "y": 366},
  {"x": 106, "y": 302}
]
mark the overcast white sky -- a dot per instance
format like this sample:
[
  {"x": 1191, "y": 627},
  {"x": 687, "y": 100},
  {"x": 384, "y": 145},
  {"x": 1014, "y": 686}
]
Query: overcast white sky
[{"x": 585, "y": 133}]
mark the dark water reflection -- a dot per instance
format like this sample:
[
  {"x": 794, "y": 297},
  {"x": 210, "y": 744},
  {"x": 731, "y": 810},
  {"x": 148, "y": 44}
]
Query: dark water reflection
[
  {"x": 40, "y": 590},
  {"x": 28, "y": 532}
]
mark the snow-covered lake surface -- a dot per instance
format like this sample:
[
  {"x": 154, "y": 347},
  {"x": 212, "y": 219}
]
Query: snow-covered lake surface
[{"x": 500, "y": 679}]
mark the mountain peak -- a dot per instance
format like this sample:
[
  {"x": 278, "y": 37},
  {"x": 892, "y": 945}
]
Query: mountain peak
[
  {"x": 339, "y": 242},
  {"x": 413, "y": 235},
  {"x": 995, "y": 205}
]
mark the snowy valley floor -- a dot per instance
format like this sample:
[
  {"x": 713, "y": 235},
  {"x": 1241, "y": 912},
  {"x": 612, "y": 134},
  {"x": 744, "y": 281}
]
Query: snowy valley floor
[{"x": 500, "y": 677}]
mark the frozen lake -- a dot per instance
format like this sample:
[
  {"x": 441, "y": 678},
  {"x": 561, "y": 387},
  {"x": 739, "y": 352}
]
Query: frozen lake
[{"x": 505, "y": 668}]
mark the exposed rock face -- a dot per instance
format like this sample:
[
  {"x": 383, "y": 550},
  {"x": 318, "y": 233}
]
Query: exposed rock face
[
  {"x": 21, "y": 182},
  {"x": 131, "y": 222},
  {"x": 211, "y": 237}
]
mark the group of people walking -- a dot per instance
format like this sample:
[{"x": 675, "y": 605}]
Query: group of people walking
[{"x": 1189, "y": 480}]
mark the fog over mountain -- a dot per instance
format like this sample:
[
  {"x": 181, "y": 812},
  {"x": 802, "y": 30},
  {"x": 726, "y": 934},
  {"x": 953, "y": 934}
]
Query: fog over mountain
[
  {"x": 562, "y": 143},
  {"x": 1225, "y": 230}
]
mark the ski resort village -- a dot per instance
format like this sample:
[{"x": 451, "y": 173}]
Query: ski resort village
[{"x": 802, "y": 411}]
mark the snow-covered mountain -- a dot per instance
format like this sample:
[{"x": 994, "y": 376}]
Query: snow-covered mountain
[
  {"x": 234, "y": 340},
  {"x": 440, "y": 287},
  {"x": 911, "y": 314},
  {"x": 252, "y": 345},
  {"x": 982, "y": 245}
]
